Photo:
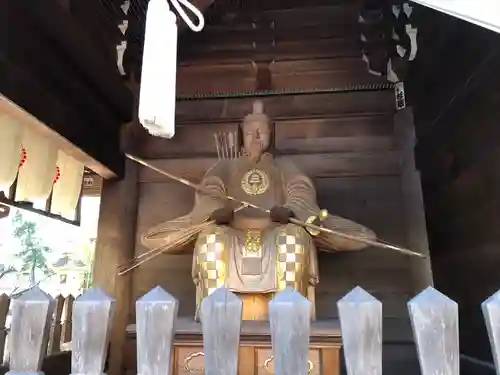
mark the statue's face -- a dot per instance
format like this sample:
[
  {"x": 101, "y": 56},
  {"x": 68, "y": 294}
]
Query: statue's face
[{"x": 256, "y": 137}]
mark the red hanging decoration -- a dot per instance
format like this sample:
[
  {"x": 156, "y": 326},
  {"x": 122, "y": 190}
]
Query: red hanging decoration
[
  {"x": 23, "y": 156},
  {"x": 58, "y": 174}
]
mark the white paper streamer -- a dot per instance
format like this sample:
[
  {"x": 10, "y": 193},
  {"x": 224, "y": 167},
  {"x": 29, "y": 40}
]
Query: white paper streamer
[
  {"x": 36, "y": 175},
  {"x": 67, "y": 188},
  {"x": 10, "y": 151}
]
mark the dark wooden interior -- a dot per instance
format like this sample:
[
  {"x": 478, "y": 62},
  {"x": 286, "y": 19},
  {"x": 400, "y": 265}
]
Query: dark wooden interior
[
  {"x": 331, "y": 116},
  {"x": 456, "y": 115}
]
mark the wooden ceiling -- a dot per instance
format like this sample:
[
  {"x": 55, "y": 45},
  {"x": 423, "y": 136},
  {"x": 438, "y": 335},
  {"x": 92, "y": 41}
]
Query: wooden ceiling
[
  {"x": 242, "y": 32},
  {"x": 275, "y": 38},
  {"x": 53, "y": 67}
]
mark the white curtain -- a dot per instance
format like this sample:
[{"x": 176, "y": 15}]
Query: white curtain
[
  {"x": 36, "y": 175},
  {"x": 10, "y": 151},
  {"x": 67, "y": 188}
]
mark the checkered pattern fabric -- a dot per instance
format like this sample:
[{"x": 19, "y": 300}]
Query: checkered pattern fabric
[
  {"x": 291, "y": 253},
  {"x": 212, "y": 262}
]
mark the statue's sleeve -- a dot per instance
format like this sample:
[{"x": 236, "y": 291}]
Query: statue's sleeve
[
  {"x": 170, "y": 231},
  {"x": 301, "y": 199},
  {"x": 299, "y": 191},
  {"x": 213, "y": 181}
]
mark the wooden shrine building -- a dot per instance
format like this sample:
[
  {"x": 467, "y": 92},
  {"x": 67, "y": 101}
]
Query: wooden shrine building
[{"x": 390, "y": 107}]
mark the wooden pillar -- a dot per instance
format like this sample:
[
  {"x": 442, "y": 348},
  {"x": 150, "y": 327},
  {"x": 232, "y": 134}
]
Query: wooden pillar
[
  {"x": 115, "y": 245},
  {"x": 413, "y": 203}
]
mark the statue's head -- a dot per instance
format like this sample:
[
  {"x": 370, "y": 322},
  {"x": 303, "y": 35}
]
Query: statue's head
[{"x": 256, "y": 130}]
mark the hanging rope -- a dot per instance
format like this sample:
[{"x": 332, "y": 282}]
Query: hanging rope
[{"x": 185, "y": 17}]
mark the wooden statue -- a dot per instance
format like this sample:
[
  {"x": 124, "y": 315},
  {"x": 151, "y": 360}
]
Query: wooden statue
[{"x": 249, "y": 251}]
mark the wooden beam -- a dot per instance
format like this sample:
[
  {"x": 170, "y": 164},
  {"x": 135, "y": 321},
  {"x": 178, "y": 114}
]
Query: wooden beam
[
  {"x": 282, "y": 107},
  {"x": 61, "y": 123},
  {"x": 346, "y": 164},
  {"x": 248, "y": 32},
  {"x": 4, "y": 201},
  {"x": 413, "y": 201},
  {"x": 278, "y": 66},
  {"x": 100, "y": 20},
  {"x": 315, "y": 73},
  {"x": 36, "y": 54},
  {"x": 287, "y": 50},
  {"x": 291, "y": 4},
  {"x": 115, "y": 245},
  {"x": 336, "y": 134},
  {"x": 311, "y": 14},
  {"x": 328, "y": 134},
  {"x": 101, "y": 74}
]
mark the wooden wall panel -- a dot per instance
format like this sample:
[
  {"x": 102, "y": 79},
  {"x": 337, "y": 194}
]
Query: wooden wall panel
[
  {"x": 316, "y": 165},
  {"x": 287, "y": 106},
  {"x": 318, "y": 73},
  {"x": 322, "y": 74},
  {"x": 247, "y": 34},
  {"x": 356, "y": 133},
  {"x": 189, "y": 141},
  {"x": 159, "y": 202},
  {"x": 217, "y": 78},
  {"x": 335, "y": 134}
]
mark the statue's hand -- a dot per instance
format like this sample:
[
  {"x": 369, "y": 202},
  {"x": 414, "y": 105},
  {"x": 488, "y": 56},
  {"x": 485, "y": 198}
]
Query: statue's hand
[
  {"x": 222, "y": 216},
  {"x": 313, "y": 280},
  {"x": 280, "y": 214}
]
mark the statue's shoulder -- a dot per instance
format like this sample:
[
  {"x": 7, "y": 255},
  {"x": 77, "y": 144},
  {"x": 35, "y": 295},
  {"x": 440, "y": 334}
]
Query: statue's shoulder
[
  {"x": 287, "y": 165},
  {"x": 219, "y": 168},
  {"x": 292, "y": 172}
]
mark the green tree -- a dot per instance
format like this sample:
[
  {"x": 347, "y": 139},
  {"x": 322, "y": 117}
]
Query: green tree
[
  {"x": 33, "y": 253},
  {"x": 85, "y": 253}
]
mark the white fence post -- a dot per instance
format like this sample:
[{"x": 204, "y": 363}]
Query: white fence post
[
  {"x": 290, "y": 316},
  {"x": 361, "y": 325},
  {"x": 491, "y": 312},
  {"x": 92, "y": 315},
  {"x": 156, "y": 313},
  {"x": 434, "y": 319},
  {"x": 31, "y": 318},
  {"x": 221, "y": 323},
  {"x": 4, "y": 311}
]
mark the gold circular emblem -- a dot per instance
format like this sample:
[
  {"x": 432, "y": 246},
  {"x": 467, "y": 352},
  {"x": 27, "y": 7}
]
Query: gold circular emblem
[{"x": 255, "y": 182}]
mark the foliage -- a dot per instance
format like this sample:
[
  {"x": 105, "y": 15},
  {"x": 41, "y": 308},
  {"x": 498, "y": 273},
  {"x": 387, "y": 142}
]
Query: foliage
[
  {"x": 86, "y": 255},
  {"x": 5, "y": 272},
  {"x": 33, "y": 253}
]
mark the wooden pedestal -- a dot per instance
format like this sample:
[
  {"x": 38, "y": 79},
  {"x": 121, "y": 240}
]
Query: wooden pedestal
[
  {"x": 255, "y": 359},
  {"x": 255, "y": 348},
  {"x": 256, "y": 306}
]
